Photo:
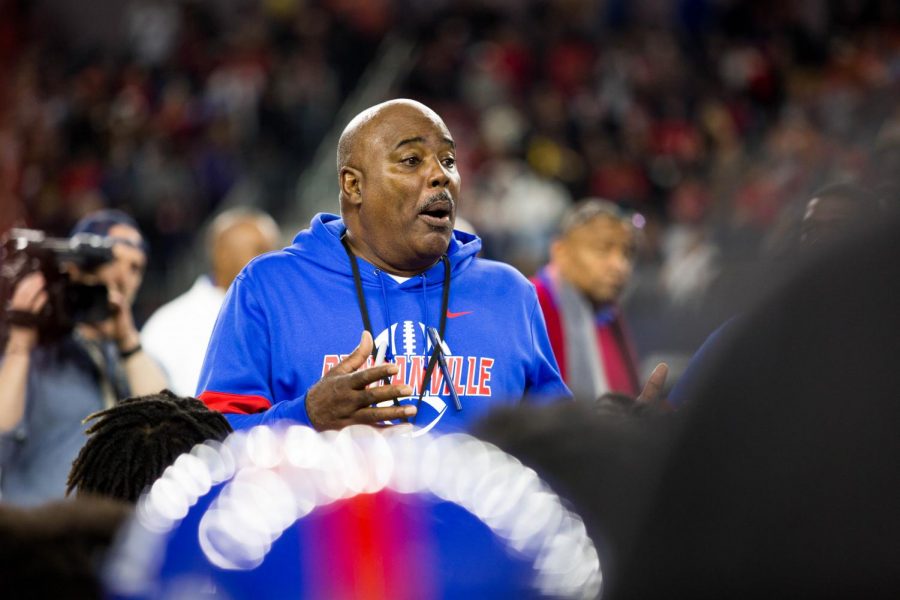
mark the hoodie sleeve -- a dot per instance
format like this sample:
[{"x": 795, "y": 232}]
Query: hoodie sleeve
[
  {"x": 544, "y": 382},
  {"x": 236, "y": 375}
]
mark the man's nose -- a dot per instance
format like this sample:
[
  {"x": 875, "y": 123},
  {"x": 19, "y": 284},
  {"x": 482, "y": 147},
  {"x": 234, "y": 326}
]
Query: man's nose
[
  {"x": 438, "y": 177},
  {"x": 621, "y": 263}
]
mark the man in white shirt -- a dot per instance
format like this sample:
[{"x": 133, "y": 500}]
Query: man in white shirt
[{"x": 177, "y": 334}]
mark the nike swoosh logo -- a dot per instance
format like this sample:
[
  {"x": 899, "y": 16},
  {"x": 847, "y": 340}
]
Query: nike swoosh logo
[{"x": 453, "y": 315}]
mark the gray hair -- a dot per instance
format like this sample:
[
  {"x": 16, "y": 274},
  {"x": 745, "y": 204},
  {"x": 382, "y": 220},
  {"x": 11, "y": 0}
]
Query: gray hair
[{"x": 587, "y": 210}]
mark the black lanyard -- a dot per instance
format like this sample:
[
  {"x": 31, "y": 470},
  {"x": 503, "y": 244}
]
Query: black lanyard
[{"x": 364, "y": 312}]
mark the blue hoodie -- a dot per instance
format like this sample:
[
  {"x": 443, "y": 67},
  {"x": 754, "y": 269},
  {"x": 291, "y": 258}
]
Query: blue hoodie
[{"x": 292, "y": 315}]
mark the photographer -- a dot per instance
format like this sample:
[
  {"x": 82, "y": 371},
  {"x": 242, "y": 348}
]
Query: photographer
[{"x": 48, "y": 386}]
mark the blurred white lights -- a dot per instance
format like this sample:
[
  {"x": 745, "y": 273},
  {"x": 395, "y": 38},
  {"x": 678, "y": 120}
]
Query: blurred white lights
[{"x": 276, "y": 476}]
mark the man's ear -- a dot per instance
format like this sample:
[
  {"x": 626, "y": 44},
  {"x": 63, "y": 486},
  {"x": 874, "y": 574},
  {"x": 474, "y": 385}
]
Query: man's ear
[{"x": 350, "y": 182}]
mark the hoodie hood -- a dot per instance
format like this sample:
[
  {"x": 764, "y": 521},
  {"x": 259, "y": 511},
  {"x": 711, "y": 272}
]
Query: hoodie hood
[{"x": 321, "y": 246}]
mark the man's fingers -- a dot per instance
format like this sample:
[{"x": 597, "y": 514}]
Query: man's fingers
[
  {"x": 655, "y": 383},
  {"x": 382, "y": 393},
  {"x": 357, "y": 358},
  {"x": 364, "y": 377},
  {"x": 370, "y": 416}
]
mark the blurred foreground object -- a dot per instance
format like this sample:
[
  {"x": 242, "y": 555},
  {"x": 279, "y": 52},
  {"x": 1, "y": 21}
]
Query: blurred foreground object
[
  {"x": 55, "y": 550},
  {"x": 352, "y": 514},
  {"x": 784, "y": 480}
]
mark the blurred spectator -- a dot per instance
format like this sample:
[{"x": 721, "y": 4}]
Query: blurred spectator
[
  {"x": 177, "y": 334},
  {"x": 197, "y": 98},
  {"x": 782, "y": 482},
  {"x": 47, "y": 386},
  {"x": 590, "y": 265},
  {"x": 131, "y": 444},
  {"x": 690, "y": 258},
  {"x": 56, "y": 550}
]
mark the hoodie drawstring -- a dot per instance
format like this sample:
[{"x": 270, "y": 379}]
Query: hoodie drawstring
[
  {"x": 425, "y": 303},
  {"x": 367, "y": 323},
  {"x": 387, "y": 311}
]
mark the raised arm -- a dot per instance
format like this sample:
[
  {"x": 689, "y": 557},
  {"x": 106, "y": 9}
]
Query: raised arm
[{"x": 28, "y": 297}]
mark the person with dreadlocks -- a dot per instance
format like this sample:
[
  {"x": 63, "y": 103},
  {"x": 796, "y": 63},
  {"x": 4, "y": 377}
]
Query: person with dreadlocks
[{"x": 132, "y": 443}]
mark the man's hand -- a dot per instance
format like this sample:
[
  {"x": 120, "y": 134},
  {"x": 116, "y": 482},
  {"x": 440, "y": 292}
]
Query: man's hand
[
  {"x": 654, "y": 386},
  {"x": 342, "y": 398},
  {"x": 30, "y": 296}
]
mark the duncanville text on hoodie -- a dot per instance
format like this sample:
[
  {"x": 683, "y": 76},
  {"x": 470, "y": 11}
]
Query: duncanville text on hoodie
[{"x": 292, "y": 315}]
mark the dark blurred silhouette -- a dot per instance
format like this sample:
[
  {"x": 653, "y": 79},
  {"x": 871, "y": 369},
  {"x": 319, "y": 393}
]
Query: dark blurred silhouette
[
  {"x": 604, "y": 459},
  {"x": 56, "y": 550},
  {"x": 834, "y": 211},
  {"x": 783, "y": 482}
]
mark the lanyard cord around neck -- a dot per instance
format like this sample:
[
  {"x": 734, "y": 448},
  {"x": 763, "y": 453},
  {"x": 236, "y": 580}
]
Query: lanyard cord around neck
[{"x": 367, "y": 323}]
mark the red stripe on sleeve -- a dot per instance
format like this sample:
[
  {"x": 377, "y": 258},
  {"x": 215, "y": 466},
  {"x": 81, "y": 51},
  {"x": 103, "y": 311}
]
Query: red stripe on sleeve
[{"x": 235, "y": 403}]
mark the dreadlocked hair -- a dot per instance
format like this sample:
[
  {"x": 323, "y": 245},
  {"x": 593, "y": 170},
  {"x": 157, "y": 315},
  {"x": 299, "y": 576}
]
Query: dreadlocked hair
[{"x": 131, "y": 444}]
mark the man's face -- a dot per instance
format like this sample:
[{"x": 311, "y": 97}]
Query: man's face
[
  {"x": 409, "y": 187},
  {"x": 597, "y": 258},
  {"x": 123, "y": 274}
]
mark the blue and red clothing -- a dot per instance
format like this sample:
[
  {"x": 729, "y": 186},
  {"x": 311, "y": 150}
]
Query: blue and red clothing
[
  {"x": 613, "y": 345},
  {"x": 292, "y": 315}
]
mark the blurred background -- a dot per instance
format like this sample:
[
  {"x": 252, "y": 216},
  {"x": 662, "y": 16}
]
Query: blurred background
[{"x": 714, "y": 120}]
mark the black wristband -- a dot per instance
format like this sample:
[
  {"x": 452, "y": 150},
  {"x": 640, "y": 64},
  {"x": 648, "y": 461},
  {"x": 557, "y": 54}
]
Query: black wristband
[
  {"x": 130, "y": 351},
  {"x": 21, "y": 318}
]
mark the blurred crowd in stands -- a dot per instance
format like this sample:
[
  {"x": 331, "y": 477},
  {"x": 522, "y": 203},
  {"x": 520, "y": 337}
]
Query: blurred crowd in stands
[
  {"x": 715, "y": 120},
  {"x": 195, "y": 101}
]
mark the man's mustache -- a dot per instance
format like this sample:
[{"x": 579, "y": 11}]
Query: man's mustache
[{"x": 442, "y": 197}]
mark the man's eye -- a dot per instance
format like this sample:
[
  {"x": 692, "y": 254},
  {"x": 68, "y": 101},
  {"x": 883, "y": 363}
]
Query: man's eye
[
  {"x": 449, "y": 162},
  {"x": 411, "y": 161}
]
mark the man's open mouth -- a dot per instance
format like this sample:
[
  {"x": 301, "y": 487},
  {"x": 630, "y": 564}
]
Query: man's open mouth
[{"x": 437, "y": 213}]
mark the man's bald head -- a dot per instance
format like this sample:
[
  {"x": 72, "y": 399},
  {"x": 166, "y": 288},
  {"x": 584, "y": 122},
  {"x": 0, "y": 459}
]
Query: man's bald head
[
  {"x": 398, "y": 185},
  {"x": 361, "y": 124},
  {"x": 235, "y": 237}
]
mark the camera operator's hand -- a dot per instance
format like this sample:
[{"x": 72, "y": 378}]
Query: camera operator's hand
[
  {"x": 124, "y": 332},
  {"x": 342, "y": 397},
  {"x": 30, "y": 296}
]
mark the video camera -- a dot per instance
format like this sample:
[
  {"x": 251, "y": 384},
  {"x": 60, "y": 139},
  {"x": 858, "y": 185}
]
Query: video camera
[{"x": 69, "y": 302}]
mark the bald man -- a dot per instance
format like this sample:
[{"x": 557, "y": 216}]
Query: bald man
[
  {"x": 385, "y": 313},
  {"x": 178, "y": 332}
]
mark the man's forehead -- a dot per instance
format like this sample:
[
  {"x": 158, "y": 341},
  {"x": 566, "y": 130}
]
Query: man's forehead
[
  {"x": 399, "y": 122},
  {"x": 603, "y": 226}
]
